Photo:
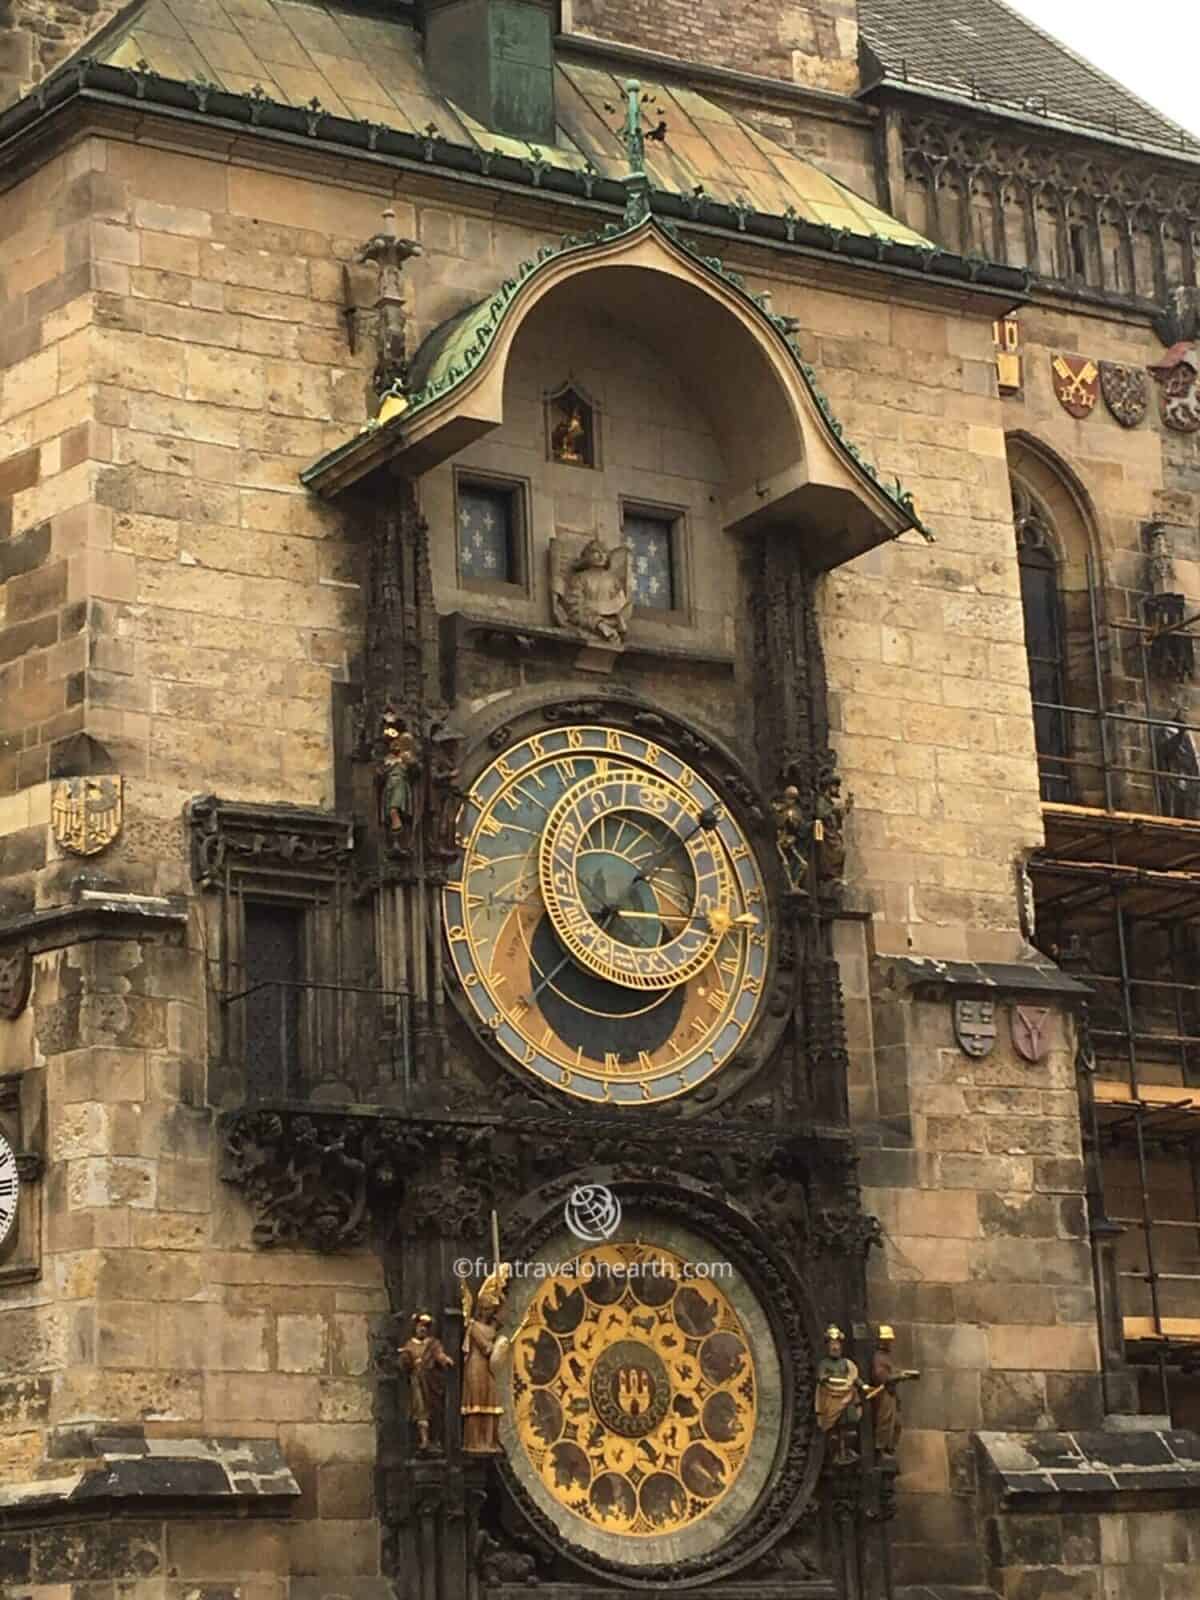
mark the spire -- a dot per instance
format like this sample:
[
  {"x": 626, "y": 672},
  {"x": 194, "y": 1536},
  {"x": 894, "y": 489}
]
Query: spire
[{"x": 633, "y": 135}]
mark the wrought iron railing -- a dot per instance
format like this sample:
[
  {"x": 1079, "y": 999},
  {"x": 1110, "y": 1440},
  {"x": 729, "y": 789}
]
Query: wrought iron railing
[{"x": 332, "y": 1043}]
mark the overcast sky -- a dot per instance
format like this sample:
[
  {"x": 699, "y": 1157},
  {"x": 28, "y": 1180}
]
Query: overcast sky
[{"x": 1151, "y": 46}]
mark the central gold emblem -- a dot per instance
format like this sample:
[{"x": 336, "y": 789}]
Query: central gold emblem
[{"x": 636, "y": 1391}]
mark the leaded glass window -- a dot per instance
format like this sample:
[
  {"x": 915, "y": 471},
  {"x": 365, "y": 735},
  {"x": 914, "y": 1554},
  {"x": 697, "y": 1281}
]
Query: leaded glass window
[
  {"x": 1041, "y": 606},
  {"x": 651, "y": 542}
]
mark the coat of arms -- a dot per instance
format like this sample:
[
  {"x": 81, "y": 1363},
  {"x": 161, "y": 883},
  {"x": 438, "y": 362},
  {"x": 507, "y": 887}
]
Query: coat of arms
[
  {"x": 1076, "y": 384},
  {"x": 16, "y": 969},
  {"x": 1178, "y": 391},
  {"x": 975, "y": 1026},
  {"x": 1029, "y": 1032},
  {"x": 86, "y": 813},
  {"x": 1125, "y": 392}
]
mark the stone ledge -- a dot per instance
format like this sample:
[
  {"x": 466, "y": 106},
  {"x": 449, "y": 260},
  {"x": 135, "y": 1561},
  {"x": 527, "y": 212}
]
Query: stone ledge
[
  {"x": 752, "y": 1589},
  {"x": 930, "y": 978},
  {"x": 94, "y": 914},
  {"x": 945, "y": 1591},
  {"x": 1034, "y": 1467},
  {"x": 137, "y": 1472}
]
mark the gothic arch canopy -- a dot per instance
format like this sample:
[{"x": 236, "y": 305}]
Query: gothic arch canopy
[{"x": 788, "y": 464}]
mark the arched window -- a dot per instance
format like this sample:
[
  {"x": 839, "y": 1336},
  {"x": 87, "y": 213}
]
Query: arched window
[{"x": 1043, "y": 644}]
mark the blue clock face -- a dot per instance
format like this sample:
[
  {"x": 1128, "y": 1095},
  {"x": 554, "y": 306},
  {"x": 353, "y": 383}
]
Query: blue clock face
[{"x": 607, "y": 920}]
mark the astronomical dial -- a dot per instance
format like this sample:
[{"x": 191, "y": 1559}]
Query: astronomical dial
[
  {"x": 608, "y": 925},
  {"x": 10, "y": 1189}
]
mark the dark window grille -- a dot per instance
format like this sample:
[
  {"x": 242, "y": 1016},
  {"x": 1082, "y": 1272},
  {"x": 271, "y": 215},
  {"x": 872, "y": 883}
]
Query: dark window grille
[{"x": 273, "y": 963}]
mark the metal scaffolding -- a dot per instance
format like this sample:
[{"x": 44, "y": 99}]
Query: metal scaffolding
[{"x": 1117, "y": 896}]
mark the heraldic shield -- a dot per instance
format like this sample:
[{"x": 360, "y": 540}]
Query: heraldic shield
[
  {"x": 86, "y": 813},
  {"x": 1076, "y": 382},
  {"x": 1126, "y": 392}
]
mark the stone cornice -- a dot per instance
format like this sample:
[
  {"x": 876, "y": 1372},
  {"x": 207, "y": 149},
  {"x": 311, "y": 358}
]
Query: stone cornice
[{"x": 95, "y": 914}]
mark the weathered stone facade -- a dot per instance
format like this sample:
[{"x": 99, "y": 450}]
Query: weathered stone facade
[{"x": 222, "y": 1228}]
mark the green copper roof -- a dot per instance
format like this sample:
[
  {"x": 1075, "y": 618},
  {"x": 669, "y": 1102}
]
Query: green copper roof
[
  {"x": 451, "y": 353},
  {"x": 370, "y": 68}
]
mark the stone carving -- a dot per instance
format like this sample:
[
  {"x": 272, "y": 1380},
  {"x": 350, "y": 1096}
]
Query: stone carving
[
  {"x": 792, "y": 834},
  {"x": 975, "y": 1027},
  {"x": 1125, "y": 392},
  {"x": 1179, "y": 321},
  {"x": 231, "y": 835},
  {"x": 1029, "y": 1032},
  {"x": 1026, "y": 903},
  {"x": 839, "y": 1398},
  {"x": 1172, "y": 653},
  {"x": 991, "y": 187},
  {"x": 885, "y": 1402},
  {"x": 308, "y": 1178},
  {"x": 1076, "y": 382},
  {"x": 445, "y": 745},
  {"x": 16, "y": 974},
  {"x": 425, "y": 1362},
  {"x": 496, "y": 1564},
  {"x": 399, "y": 771},
  {"x": 390, "y": 252},
  {"x": 484, "y": 1348},
  {"x": 589, "y": 585},
  {"x": 1178, "y": 391},
  {"x": 828, "y": 831},
  {"x": 86, "y": 813},
  {"x": 1178, "y": 767}
]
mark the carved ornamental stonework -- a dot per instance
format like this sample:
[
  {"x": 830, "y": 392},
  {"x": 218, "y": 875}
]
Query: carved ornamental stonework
[{"x": 1099, "y": 218}]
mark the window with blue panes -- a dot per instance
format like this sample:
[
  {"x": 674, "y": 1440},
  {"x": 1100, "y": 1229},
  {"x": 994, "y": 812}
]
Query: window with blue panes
[
  {"x": 488, "y": 532},
  {"x": 652, "y": 560}
]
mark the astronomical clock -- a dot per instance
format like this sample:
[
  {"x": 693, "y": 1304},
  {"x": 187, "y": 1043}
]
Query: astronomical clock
[
  {"x": 609, "y": 924},
  {"x": 610, "y": 921}
]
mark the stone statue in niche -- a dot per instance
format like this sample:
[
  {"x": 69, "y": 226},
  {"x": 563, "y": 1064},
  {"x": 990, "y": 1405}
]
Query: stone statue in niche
[
  {"x": 839, "y": 1398},
  {"x": 829, "y": 828},
  {"x": 590, "y": 588},
  {"x": 484, "y": 1349},
  {"x": 571, "y": 425},
  {"x": 399, "y": 770},
  {"x": 1178, "y": 766},
  {"x": 1172, "y": 653},
  {"x": 885, "y": 1401},
  {"x": 424, "y": 1361}
]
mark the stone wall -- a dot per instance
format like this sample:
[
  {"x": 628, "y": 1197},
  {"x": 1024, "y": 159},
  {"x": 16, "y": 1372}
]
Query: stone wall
[
  {"x": 814, "y": 43},
  {"x": 35, "y": 37}
]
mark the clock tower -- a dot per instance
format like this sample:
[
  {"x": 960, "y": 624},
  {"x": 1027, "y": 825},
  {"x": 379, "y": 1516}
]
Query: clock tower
[{"x": 603, "y": 851}]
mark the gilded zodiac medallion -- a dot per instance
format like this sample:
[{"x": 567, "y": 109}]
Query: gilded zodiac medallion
[{"x": 635, "y": 1390}]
